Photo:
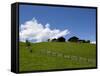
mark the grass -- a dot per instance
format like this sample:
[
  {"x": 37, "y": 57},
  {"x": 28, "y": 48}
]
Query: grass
[{"x": 50, "y": 55}]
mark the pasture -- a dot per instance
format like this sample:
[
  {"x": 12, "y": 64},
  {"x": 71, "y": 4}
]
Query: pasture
[{"x": 56, "y": 55}]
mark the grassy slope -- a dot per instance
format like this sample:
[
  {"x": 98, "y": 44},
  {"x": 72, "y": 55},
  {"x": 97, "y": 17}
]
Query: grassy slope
[{"x": 40, "y": 60}]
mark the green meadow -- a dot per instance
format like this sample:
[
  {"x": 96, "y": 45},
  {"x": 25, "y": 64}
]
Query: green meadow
[{"x": 56, "y": 55}]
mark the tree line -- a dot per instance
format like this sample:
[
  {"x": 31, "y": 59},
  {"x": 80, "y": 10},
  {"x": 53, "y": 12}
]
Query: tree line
[
  {"x": 62, "y": 39},
  {"x": 72, "y": 39}
]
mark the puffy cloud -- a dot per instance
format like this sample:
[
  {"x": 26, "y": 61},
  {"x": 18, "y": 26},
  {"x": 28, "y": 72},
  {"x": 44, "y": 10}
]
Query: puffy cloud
[{"x": 36, "y": 32}]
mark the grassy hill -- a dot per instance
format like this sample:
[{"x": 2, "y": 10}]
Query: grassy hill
[{"x": 56, "y": 55}]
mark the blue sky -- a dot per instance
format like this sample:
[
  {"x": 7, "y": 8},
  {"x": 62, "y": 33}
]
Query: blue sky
[{"x": 81, "y": 22}]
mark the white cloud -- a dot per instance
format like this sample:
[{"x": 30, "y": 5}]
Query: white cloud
[
  {"x": 93, "y": 42},
  {"x": 36, "y": 32}
]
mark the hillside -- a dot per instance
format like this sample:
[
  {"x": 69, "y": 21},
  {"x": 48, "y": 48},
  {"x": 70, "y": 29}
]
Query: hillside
[{"x": 56, "y": 55}]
